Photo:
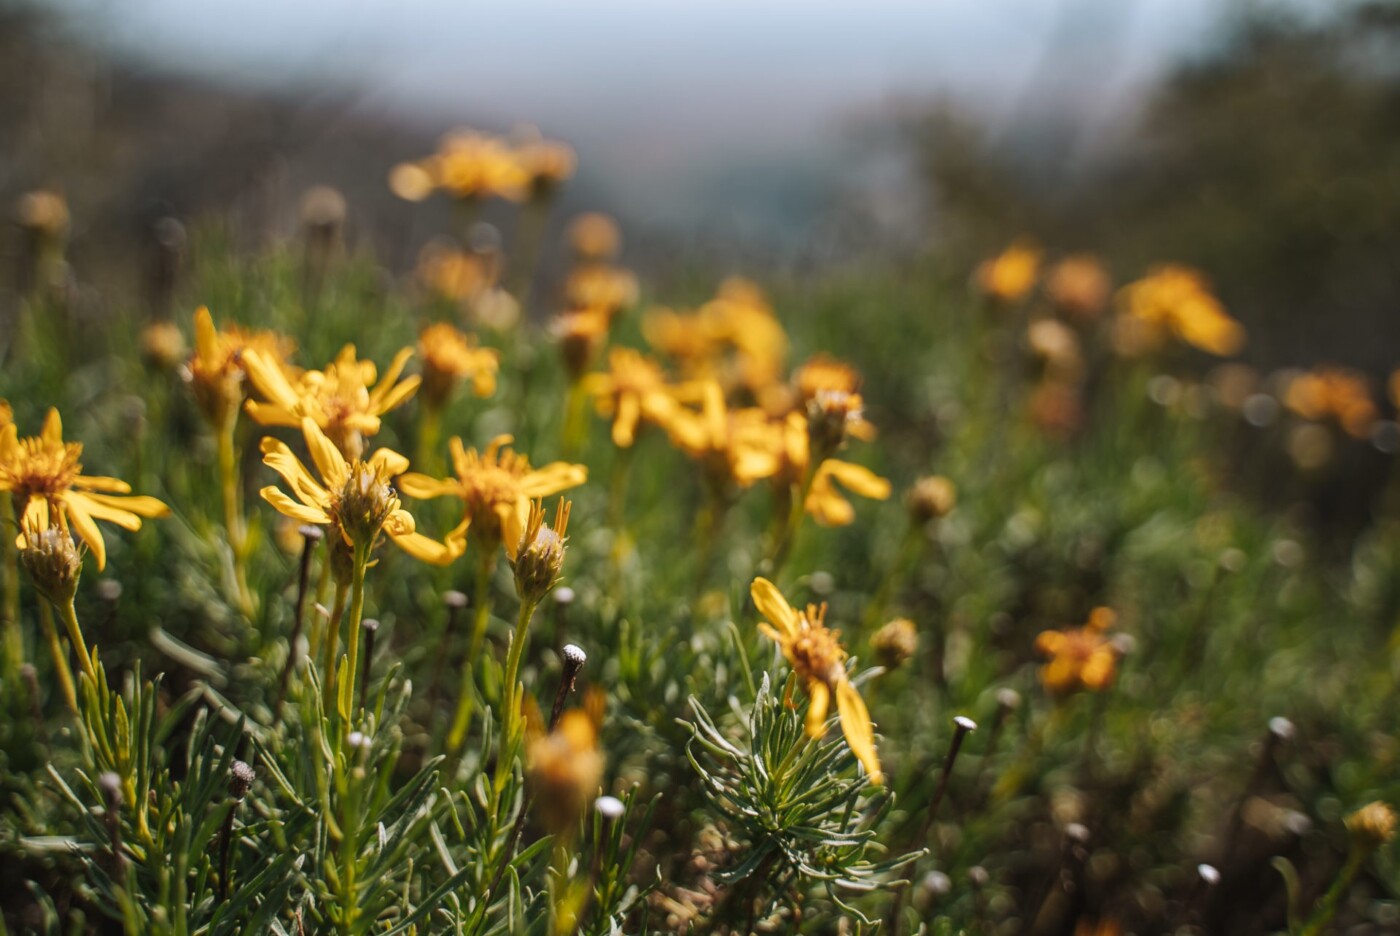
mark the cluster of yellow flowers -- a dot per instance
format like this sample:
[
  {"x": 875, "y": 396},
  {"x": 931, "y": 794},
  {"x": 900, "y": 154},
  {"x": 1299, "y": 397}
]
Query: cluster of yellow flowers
[{"x": 470, "y": 164}]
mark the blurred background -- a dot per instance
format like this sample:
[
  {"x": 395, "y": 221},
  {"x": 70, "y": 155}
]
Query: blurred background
[{"x": 1256, "y": 140}]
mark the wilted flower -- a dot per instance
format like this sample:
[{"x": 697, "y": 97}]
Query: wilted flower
[
  {"x": 496, "y": 487},
  {"x": 1010, "y": 276},
  {"x": 43, "y": 475},
  {"x": 1079, "y": 287},
  {"x": 449, "y": 357},
  {"x": 354, "y": 498},
  {"x": 1176, "y": 300},
  {"x": 343, "y": 400},
  {"x": 162, "y": 345},
  {"x": 1335, "y": 393},
  {"x": 817, "y": 657},
  {"x": 1372, "y": 826},
  {"x": 1080, "y": 658}
]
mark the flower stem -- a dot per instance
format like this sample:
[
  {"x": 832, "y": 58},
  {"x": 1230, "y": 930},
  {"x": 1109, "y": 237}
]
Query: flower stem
[
  {"x": 330, "y": 643},
  {"x": 234, "y": 527},
  {"x": 59, "y": 654},
  {"x": 75, "y": 635},
  {"x": 575, "y": 419},
  {"x": 1327, "y": 906},
  {"x": 787, "y": 538},
  {"x": 9, "y": 608},
  {"x": 467, "y": 694},
  {"x": 510, "y": 715},
  {"x": 429, "y": 432},
  {"x": 357, "y": 610}
]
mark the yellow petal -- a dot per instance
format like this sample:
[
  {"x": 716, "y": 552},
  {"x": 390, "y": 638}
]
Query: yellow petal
[
  {"x": 139, "y": 504},
  {"x": 380, "y": 392},
  {"x": 859, "y": 732},
  {"x": 397, "y": 396},
  {"x": 53, "y": 429},
  {"x": 100, "y": 511},
  {"x": 269, "y": 380},
  {"x": 827, "y": 506},
  {"x": 423, "y": 487},
  {"x": 400, "y": 523},
  {"x": 327, "y": 457},
  {"x": 86, "y": 529},
  {"x": 773, "y": 606},
  {"x": 551, "y": 479},
  {"x": 427, "y": 549},
  {"x": 285, "y": 505},
  {"x": 270, "y": 414},
  {"x": 857, "y": 479},
  {"x": 624, "y": 428},
  {"x": 206, "y": 336},
  {"x": 817, "y": 709},
  {"x": 278, "y": 457},
  {"x": 389, "y": 461}
]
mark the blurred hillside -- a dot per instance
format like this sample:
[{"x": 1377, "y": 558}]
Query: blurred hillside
[{"x": 1270, "y": 162}]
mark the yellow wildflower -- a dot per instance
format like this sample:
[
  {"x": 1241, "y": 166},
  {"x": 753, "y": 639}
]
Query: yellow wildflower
[
  {"x": 546, "y": 163},
  {"x": 1079, "y": 287},
  {"x": 450, "y": 356},
  {"x": 451, "y": 273},
  {"x": 825, "y": 501},
  {"x": 44, "y": 213},
  {"x": 601, "y": 287},
  {"x": 496, "y": 487},
  {"x": 817, "y": 657},
  {"x": 564, "y": 768},
  {"x": 216, "y": 371},
  {"x": 632, "y": 391},
  {"x": 1011, "y": 275},
  {"x": 354, "y": 498},
  {"x": 580, "y": 332},
  {"x": 1372, "y": 826},
  {"x": 1336, "y": 393},
  {"x": 738, "y": 320},
  {"x": 46, "y": 480},
  {"x": 733, "y": 446},
  {"x": 469, "y": 164},
  {"x": 1177, "y": 300},
  {"x": 594, "y": 237},
  {"x": 343, "y": 400},
  {"x": 1080, "y": 658}
]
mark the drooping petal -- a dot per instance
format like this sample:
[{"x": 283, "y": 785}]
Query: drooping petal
[
  {"x": 285, "y": 505},
  {"x": 827, "y": 505},
  {"x": 427, "y": 549},
  {"x": 773, "y": 606},
  {"x": 86, "y": 528},
  {"x": 100, "y": 511},
  {"x": 390, "y": 462},
  {"x": 380, "y": 393},
  {"x": 141, "y": 505},
  {"x": 857, "y": 479},
  {"x": 270, "y": 414},
  {"x": 624, "y": 427},
  {"x": 397, "y": 396},
  {"x": 278, "y": 457},
  {"x": 858, "y": 729},
  {"x": 816, "y": 710},
  {"x": 269, "y": 380},
  {"x": 423, "y": 487}
]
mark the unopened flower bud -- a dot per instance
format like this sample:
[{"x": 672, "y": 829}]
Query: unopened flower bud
[
  {"x": 539, "y": 560},
  {"x": 54, "y": 563},
  {"x": 1371, "y": 826},
  {"x": 895, "y": 643},
  {"x": 931, "y": 498},
  {"x": 830, "y": 415}
]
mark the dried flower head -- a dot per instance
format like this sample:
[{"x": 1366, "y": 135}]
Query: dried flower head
[
  {"x": 1372, "y": 826},
  {"x": 895, "y": 643},
  {"x": 1079, "y": 286},
  {"x": 817, "y": 657}
]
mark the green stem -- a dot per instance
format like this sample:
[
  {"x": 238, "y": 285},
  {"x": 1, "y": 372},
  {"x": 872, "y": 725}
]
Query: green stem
[
  {"x": 352, "y": 636},
  {"x": 908, "y": 552},
  {"x": 9, "y": 608},
  {"x": 797, "y": 509},
  {"x": 461, "y": 719},
  {"x": 510, "y": 717},
  {"x": 329, "y": 644},
  {"x": 75, "y": 635},
  {"x": 617, "y": 516},
  {"x": 575, "y": 419},
  {"x": 1327, "y": 907},
  {"x": 60, "y": 655},
  {"x": 234, "y": 527},
  {"x": 429, "y": 433}
]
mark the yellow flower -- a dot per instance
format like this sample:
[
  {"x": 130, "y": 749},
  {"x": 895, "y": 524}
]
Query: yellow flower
[
  {"x": 1177, "y": 300},
  {"x": 1372, "y": 826},
  {"x": 564, "y": 768},
  {"x": 594, "y": 237},
  {"x": 1010, "y": 276},
  {"x": 343, "y": 400},
  {"x": 601, "y": 287},
  {"x": 162, "y": 345},
  {"x": 1079, "y": 286},
  {"x": 411, "y": 181},
  {"x": 817, "y": 657},
  {"x": 354, "y": 498},
  {"x": 43, "y": 212},
  {"x": 451, "y": 273},
  {"x": 734, "y": 338},
  {"x": 450, "y": 356},
  {"x": 217, "y": 369},
  {"x": 45, "y": 478},
  {"x": 469, "y": 164},
  {"x": 1080, "y": 658},
  {"x": 633, "y": 391},
  {"x": 580, "y": 332},
  {"x": 825, "y": 501},
  {"x": 1334, "y": 393},
  {"x": 546, "y": 163},
  {"x": 738, "y": 446},
  {"x": 496, "y": 487}
]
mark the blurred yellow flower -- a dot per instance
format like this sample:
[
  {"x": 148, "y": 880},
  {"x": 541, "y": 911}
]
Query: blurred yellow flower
[
  {"x": 450, "y": 357},
  {"x": 343, "y": 400},
  {"x": 1079, "y": 286},
  {"x": 580, "y": 333},
  {"x": 1080, "y": 658},
  {"x": 546, "y": 163},
  {"x": 162, "y": 345},
  {"x": 1336, "y": 393},
  {"x": 453, "y": 274},
  {"x": 1176, "y": 300},
  {"x": 216, "y": 371},
  {"x": 817, "y": 657},
  {"x": 469, "y": 164},
  {"x": 594, "y": 237},
  {"x": 45, "y": 478},
  {"x": 825, "y": 501},
  {"x": 43, "y": 212},
  {"x": 1011, "y": 275},
  {"x": 496, "y": 487},
  {"x": 734, "y": 338},
  {"x": 354, "y": 498},
  {"x": 564, "y": 768},
  {"x": 732, "y": 446},
  {"x": 601, "y": 287},
  {"x": 632, "y": 391}
]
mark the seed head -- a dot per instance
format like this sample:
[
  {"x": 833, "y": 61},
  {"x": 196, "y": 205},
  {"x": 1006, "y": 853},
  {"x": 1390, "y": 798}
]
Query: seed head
[
  {"x": 931, "y": 498},
  {"x": 53, "y": 562},
  {"x": 1372, "y": 826},
  {"x": 895, "y": 643},
  {"x": 830, "y": 416},
  {"x": 240, "y": 779}
]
